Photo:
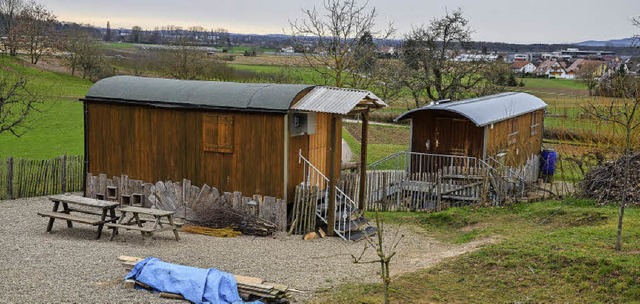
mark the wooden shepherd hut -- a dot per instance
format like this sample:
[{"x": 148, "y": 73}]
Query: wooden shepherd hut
[
  {"x": 243, "y": 137},
  {"x": 505, "y": 127}
]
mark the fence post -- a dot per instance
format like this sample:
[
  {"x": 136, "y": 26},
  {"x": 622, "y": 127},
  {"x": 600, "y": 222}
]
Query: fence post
[
  {"x": 10, "y": 177},
  {"x": 64, "y": 174}
]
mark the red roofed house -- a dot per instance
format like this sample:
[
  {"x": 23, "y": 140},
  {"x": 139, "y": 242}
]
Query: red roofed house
[{"x": 523, "y": 67}]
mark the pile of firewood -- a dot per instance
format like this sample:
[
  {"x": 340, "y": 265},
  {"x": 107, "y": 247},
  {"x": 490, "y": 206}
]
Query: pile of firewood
[
  {"x": 607, "y": 183},
  {"x": 249, "y": 288},
  {"x": 214, "y": 217}
]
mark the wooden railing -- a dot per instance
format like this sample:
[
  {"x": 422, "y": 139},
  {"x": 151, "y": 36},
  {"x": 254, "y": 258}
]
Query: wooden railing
[{"x": 21, "y": 177}]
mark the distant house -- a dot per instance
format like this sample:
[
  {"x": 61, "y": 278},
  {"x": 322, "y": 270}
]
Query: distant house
[
  {"x": 552, "y": 69},
  {"x": 287, "y": 49},
  {"x": 574, "y": 69},
  {"x": 523, "y": 67}
]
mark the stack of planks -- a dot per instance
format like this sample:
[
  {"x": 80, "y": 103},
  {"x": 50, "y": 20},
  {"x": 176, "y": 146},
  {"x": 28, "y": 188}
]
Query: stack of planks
[{"x": 249, "y": 288}]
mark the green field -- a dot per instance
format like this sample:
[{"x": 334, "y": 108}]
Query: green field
[
  {"x": 376, "y": 150},
  {"x": 242, "y": 49},
  {"x": 58, "y": 128},
  {"x": 298, "y": 74},
  {"x": 544, "y": 83},
  {"x": 548, "y": 252}
]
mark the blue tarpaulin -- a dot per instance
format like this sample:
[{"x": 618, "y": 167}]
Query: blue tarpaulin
[{"x": 197, "y": 285}]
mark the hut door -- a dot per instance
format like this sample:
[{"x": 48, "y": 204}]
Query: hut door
[{"x": 451, "y": 136}]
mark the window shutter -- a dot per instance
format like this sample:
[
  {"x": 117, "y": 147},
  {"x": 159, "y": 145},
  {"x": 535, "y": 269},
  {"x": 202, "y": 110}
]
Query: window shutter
[{"x": 217, "y": 132}]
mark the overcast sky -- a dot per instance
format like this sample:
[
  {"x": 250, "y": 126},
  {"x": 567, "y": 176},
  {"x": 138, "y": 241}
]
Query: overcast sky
[{"x": 522, "y": 21}]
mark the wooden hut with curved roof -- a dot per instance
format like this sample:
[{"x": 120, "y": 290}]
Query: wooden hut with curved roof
[
  {"x": 235, "y": 136},
  {"x": 486, "y": 127}
]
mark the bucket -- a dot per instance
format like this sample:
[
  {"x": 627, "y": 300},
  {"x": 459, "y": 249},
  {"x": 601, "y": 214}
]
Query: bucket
[{"x": 548, "y": 162}]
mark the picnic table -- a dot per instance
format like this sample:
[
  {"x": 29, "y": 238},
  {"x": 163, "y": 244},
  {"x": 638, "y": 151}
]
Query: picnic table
[
  {"x": 92, "y": 207},
  {"x": 135, "y": 221}
]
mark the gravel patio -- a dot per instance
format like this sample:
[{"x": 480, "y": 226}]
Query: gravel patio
[{"x": 70, "y": 265}]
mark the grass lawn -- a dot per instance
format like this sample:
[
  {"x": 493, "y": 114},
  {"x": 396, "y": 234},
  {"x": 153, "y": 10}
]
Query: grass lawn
[
  {"x": 303, "y": 74},
  {"x": 380, "y": 146},
  {"x": 549, "y": 252},
  {"x": 58, "y": 128},
  {"x": 554, "y": 84}
]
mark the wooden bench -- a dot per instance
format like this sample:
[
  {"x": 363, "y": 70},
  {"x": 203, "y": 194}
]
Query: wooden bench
[
  {"x": 136, "y": 223},
  {"x": 104, "y": 209}
]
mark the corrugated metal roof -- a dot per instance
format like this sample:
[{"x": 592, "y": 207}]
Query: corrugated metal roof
[
  {"x": 192, "y": 93},
  {"x": 335, "y": 100},
  {"x": 488, "y": 109}
]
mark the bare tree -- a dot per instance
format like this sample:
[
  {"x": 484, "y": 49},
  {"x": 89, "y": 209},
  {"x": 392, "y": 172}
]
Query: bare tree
[
  {"x": 623, "y": 112},
  {"x": 589, "y": 74},
  {"x": 9, "y": 11},
  {"x": 385, "y": 251},
  {"x": 221, "y": 36},
  {"x": 186, "y": 61},
  {"x": 342, "y": 48},
  {"x": 136, "y": 34},
  {"x": 17, "y": 104},
  {"x": 82, "y": 51},
  {"x": 35, "y": 26},
  {"x": 431, "y": 51},
  {"x": 636, "y": 38}
]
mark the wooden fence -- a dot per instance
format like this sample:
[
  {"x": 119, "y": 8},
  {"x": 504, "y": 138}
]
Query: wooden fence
[
  {"x": 21, "y": 177},
  {"x": 187, "y": 200}
]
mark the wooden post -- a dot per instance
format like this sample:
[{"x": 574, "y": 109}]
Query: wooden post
[
  {"x": 10, "y": 177},
  {"x": 363, "y": 160},
  {"x": 64, "y": 174},
  {"x": 331, "y": 216}
]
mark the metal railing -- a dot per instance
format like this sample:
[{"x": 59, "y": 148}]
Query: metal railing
[{"x": 345, "y": 207}]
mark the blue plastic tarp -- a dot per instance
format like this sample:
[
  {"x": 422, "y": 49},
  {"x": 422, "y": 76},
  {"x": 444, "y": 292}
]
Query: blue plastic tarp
[{"x": 198, "y": 285}]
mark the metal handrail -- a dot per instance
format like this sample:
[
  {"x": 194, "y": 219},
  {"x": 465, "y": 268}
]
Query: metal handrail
[{"x": 345, "y": 207}]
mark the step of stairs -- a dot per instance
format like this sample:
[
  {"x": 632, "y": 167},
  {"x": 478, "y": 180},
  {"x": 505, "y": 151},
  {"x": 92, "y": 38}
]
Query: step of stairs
[{"x": 362, "y": 234}]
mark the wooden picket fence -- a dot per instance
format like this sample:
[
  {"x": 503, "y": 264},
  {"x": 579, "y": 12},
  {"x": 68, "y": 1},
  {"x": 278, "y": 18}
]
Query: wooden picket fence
[{"x": 20, "y": 177}]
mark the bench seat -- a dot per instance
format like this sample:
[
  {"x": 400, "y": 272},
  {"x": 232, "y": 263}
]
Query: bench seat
[
  {"x": 73, "y": 218},
  {"x": 130, "y": 227}
]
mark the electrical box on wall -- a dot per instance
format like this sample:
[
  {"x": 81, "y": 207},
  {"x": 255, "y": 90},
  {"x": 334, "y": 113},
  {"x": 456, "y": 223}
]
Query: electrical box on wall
[{"x": 302, "y": 123}]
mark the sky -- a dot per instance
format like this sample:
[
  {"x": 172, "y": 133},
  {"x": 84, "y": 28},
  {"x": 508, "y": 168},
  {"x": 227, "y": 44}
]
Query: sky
[{"x": 522, "y": 21}]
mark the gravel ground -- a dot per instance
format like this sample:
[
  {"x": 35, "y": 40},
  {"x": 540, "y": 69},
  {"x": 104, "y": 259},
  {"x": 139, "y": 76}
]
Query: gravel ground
[{"x": 71, "y": 266}]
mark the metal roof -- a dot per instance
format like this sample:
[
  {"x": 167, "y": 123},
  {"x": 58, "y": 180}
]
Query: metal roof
[
  {"x": 201, "y": 94},
  {"x": 230, "y": 95},
  {"x": 337, "y": 100},
  {"x": 488, "y": 109}
]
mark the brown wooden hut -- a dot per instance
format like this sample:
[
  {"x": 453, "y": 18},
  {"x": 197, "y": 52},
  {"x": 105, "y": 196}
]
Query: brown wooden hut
[
  {"x": 505, "y": 127},
  {"x": 234, "y": 136}
]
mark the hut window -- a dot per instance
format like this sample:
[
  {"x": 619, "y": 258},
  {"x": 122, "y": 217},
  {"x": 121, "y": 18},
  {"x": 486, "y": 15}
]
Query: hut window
[
  {"x": 535, "y": 123},
  {"x": 217, "y": 133}
]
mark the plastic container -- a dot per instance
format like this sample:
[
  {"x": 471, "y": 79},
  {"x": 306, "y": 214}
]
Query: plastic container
[{"x": 548, "y": 162}]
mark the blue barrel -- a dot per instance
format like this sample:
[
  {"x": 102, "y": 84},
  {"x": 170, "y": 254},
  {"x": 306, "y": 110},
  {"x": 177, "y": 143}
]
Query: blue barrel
[{"x": 548, "y": 162}]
